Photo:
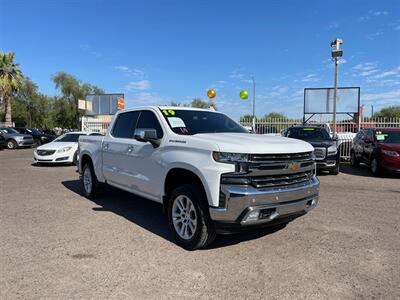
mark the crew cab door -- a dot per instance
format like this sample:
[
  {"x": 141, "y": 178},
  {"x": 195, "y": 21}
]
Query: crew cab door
[
  {"x": 146, "y": 163},
  {"x": 118, "y": 151}
]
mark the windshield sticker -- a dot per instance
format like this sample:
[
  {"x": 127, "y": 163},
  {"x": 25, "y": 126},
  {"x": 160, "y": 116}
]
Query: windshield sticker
[
  {"x": 169, "y": 112},
  {"x": 308, "y": 129},
  {"x": 176, "y": 122},
  {"x": 381, "y": 137}
]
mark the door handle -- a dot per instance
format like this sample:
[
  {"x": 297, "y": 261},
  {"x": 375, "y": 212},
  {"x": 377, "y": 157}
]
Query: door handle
[
  {"x": 130, "y": 148},
  {"x": 106, "y": 146}
]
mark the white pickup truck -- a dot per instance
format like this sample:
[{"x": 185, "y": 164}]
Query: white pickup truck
[{"x": 209, "y": 173}]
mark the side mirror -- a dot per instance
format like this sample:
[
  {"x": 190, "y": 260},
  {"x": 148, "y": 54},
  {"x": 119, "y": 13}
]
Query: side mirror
[{"x": 147, "y": 135}]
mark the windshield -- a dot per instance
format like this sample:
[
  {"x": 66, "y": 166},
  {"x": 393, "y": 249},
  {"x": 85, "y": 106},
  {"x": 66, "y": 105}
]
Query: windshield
[
  {"x": 388, "y": 137},
  {"x": 190, "y": 122},
  {"x": 69, "y": 137},
  {"x": 309, "y": 134},
  {"x": 9, "y": 130}
]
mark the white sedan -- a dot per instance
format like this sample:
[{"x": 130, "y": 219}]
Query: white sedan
[{"x": 63, "y": 149}]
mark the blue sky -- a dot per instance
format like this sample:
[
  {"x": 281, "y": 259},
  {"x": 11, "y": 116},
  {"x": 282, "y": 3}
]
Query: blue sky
[{"x": 161, "y": 51}]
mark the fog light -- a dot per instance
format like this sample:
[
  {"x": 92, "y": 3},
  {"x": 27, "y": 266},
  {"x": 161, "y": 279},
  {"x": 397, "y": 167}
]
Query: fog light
[{"x": 253, "y": 216}]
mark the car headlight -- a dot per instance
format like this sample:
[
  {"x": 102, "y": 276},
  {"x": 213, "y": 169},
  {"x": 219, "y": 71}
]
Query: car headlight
[
  {"x": 227, "y": 157},
  {"x": 390, "y": 152},
  {"x": 65, "y": 149},
  {"x": 332, "y": 150}
]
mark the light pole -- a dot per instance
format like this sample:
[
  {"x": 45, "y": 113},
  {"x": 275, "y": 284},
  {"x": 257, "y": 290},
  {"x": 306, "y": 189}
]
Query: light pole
[
  {"x": 337, "y": 52},
  {"x": 254, "y": 103}
]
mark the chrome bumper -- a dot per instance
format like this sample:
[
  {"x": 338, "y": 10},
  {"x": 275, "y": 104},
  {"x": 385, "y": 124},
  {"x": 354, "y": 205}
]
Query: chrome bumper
[{"x": 247, "y": 205}]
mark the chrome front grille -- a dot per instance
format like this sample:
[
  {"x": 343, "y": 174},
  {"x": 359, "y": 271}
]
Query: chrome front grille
[
  {"x": 279, "y": 181},
  {"x": 319, "y": 153},
  {"x": 45, "y": 152},
  {"x": 273, "y": 171},
  {"x": 273, "y": 158}
]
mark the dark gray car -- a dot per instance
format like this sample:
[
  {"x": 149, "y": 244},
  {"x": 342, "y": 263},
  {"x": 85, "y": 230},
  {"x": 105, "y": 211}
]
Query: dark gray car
[{"x": 14, "y": 139}]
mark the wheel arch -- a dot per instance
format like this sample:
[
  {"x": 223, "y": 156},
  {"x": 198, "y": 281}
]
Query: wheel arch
[{"x": 178, "y": 176}]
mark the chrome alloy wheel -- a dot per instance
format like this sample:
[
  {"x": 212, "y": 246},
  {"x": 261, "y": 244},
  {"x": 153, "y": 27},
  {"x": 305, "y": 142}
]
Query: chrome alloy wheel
[
  {"x": 87, "y": 180},
  {"x": 184, "y": 217}
]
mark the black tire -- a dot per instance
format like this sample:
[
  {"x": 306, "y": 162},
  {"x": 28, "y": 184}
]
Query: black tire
[
  {"x": 336, "y": 170},
  {"x": 374, "y": 167},
  {"x": 204, "y": 232},
  {"x": 11, "y": 144},
  {"x": 95, "y": 188},
  {"x": 75, "y": 160},
  {"x": 353, "y": 160}
]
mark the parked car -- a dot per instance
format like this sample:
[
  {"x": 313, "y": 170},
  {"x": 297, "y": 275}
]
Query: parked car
[
  {"x": 39, "y": 136},
  {"x": 210, "y": 173},
  {"x": 14, "y": 139},
  {"x": 63, "y": 149},
  {"x": 379, "y": 148},
  {"x": 325, "y": 148},
  {"x": 3, "y": 143}
]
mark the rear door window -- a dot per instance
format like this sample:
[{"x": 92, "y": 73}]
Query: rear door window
[{"x": 125, "y": 124}]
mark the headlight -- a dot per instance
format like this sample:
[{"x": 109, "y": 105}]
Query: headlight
[
  {"x": 65, "y": 149},
  {"x": 332, "y": 149},
  {"x": 390, "y": 152},
  {"x": 227, "y": 157}
]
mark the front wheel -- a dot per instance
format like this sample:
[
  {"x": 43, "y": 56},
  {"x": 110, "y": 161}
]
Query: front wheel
[
  {"x": 91, "y": 186},
  {"x": 335, "y": 171},
  {"x": 189, "y": 219},
  {"x": 11, "y": 144},
  {"x": 353, "y": 160},
  {"x": 75, "y": 160},
  {"x": 375, "y": 169}
]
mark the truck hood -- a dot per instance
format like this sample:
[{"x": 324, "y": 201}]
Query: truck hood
[{"x": 254, "y": 143}]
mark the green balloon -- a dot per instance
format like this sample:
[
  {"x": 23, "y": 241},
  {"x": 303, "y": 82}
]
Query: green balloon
[{"x": 244, "y": 94}]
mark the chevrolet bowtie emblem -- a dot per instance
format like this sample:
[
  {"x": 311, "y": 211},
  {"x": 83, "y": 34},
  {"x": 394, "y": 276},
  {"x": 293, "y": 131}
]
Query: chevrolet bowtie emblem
[{"x": 293, "y": 166}]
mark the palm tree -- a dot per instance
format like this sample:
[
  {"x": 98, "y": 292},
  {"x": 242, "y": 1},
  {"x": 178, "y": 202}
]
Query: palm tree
[{"x": 10, "y": 81}]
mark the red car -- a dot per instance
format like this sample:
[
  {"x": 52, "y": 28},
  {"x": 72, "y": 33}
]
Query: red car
[{"x": 379, "y": 148}]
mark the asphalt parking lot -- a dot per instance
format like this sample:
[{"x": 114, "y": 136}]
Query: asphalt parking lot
[{"x": 57, "y": 244}]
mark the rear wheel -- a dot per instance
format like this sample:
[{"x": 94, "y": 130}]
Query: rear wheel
[
  {"x": 91, "y": 186},
  {"x": 189, "y": 219},
  {"x": 353, "y": 160},
  {"x": 11, "y": 144}
]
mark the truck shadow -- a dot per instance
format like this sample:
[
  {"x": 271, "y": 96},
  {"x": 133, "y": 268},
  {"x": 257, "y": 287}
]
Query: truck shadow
[{"x": 149, "y": 215}]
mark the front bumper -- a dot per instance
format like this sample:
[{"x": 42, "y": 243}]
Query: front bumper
[
  {"x": 246, "y": 205},
  {"x": 54, "y": 158},
  {"x": 25, "y": 143},
  {"x": 330, "y": 162},
  {"x": 391, "y": 164}
]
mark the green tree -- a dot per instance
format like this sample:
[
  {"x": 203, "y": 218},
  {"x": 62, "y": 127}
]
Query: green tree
[
  {"x": 389, "y": 112},
  {"x": 275, "y": 115},
  {"x": 10, "y": 81},
  {"x": 72, "y": 89},
  {"x": 247, "y": 118},
  {"x": 197, "y": 102}
]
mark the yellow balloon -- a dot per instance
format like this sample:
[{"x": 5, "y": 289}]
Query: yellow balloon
[{"x": 211, "y": 93}]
